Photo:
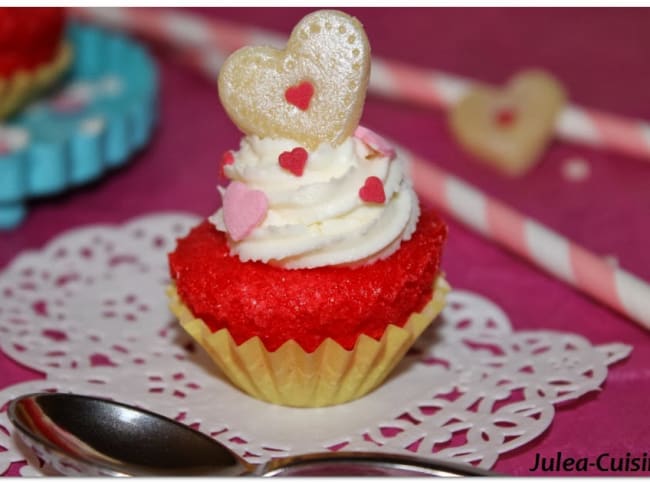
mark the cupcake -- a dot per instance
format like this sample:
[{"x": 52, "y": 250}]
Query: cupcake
[
  {"x": 319, "y": 271},
  {"x": 33, "y": 53}
]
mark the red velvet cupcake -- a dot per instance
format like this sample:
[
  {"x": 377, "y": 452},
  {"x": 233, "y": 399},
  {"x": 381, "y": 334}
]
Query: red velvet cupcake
[
  {"x": 33, "y": 53},
  {"x": 319, "y": 271}
]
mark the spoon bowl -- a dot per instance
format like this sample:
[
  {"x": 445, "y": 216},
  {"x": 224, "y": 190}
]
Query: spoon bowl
[{"x": 90, "y": 436}]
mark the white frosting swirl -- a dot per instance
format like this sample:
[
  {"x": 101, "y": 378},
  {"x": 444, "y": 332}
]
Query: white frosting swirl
[{"x": 318, "y": 219}]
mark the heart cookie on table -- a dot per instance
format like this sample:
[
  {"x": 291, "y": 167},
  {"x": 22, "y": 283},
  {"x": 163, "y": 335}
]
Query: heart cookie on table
[
  {"x": 509, "y": 128},
  {"x": 312, "y": 92}
]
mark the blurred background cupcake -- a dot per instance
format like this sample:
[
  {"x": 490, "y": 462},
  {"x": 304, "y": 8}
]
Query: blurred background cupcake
[{"x": 33, "y": 54}]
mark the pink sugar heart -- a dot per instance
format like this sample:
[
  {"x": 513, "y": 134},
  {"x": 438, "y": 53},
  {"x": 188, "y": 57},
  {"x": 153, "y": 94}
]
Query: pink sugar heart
[
  {"x": 375, "y": 141},
  {"x": 372, "y": 190},
  {"x": 294, "y": 161},
  {"x": 68, "y": 103},
  {"x": 243, "y": 209}
]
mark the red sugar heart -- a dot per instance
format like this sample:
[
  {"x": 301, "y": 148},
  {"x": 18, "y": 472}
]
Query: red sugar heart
[
  {"x": 300, "y": 95},
  {"x": 372, "y": 190},
  {"x": 294, "y": 161},
  {"x": 226, "y": 158},
  {"x": 505, "y": 117}
]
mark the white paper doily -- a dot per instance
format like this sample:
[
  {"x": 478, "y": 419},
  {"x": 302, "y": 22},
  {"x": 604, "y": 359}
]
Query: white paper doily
[{"x": 89, "y": 311}]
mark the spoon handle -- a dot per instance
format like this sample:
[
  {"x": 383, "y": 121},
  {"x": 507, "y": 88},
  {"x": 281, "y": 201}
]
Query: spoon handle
[{"x": 365, "y": 464}]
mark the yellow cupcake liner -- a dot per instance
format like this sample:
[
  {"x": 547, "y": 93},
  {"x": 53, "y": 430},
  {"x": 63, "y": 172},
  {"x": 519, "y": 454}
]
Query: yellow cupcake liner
[
  {"x": 21, "y": 87},
  {"x": 328, "y": 376}
]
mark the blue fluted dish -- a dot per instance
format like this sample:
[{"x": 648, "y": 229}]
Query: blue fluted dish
[{"x": 93, "y": 121}]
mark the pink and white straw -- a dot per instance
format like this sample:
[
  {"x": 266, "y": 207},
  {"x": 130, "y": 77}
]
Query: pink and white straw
[
  {"x": 204, "y": 44},
  {"x": 533, "y": 241}
]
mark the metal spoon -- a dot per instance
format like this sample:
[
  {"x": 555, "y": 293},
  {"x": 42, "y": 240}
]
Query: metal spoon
[{"x": 89, "y": 436}]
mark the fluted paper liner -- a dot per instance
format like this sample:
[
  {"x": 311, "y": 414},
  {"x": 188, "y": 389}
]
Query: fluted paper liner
[
  {"x": 21, "y": 87},
  {"x": 290, "y": 376}
]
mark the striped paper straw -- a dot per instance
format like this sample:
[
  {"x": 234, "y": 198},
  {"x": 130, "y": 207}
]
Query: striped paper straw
[
  {"x": 574, "y": 124},
  {"x": 205, "y": 44},
  {"x": 394, "y": 80},
  {"x": 533, "y": 241}
]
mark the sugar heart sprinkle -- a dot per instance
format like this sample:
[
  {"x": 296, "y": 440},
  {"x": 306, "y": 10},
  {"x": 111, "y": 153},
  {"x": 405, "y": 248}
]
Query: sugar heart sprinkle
[
  {"x": 300, "y": 95},
  {"x": 243, "y": 209},
  {"x": 226, "y": 159},
  {"x": 374, "y": 141},
  {"x": 294, "y": 161},
  {"x": 372, "y": 191},
  {"x": 505, "y": 117}
]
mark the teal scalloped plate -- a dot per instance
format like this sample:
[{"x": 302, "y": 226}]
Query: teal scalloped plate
[{"x": 103, "y": 111}]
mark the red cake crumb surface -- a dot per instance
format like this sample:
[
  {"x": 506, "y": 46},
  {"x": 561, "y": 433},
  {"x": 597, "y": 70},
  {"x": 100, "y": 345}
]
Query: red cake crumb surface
[
  {"x": 29, "y": 37},
  {"x": 308, "y": 305}
]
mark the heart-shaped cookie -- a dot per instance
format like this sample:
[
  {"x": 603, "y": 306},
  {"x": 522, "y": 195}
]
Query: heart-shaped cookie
[
  {"x": 312, "y": 92},
  {"x": 509, "y": 128}
]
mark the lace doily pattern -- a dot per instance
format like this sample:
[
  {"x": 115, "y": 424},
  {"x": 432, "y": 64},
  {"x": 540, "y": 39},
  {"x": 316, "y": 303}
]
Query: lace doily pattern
[{"x": 89, "y": 311}]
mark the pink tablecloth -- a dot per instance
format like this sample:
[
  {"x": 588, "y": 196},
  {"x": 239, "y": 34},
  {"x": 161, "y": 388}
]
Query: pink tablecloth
[{"x": 601, "y": 55}]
